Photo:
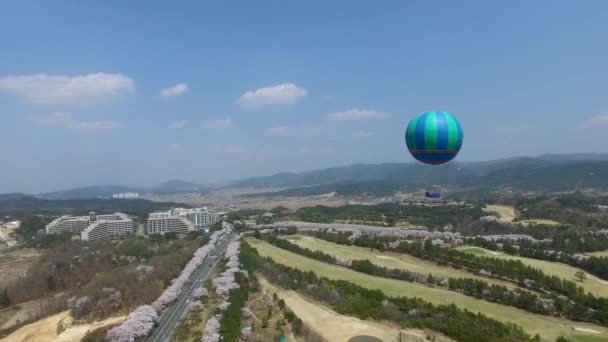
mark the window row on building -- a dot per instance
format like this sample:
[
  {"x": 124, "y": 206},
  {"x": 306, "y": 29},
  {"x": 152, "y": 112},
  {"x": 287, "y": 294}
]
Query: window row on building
[
  {"x": 181, "y": 220},
  {"x": 92, "y": 227}
]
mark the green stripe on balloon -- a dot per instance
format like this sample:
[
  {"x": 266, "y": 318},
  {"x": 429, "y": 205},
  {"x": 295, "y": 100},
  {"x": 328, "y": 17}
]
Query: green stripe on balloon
[
  {"x": 452, "y": 132},
  {"x": 430, "y": 131},
  {"x": 411, "y": 133}
]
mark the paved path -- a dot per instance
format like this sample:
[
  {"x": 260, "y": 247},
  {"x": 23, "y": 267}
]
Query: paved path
[{"x": 171, "y": 316}]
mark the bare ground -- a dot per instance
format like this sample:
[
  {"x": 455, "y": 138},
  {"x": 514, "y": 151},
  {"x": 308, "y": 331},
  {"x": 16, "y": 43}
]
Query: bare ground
[
  {"x": 45, "y": 330},
  {"x": 14, "y": 264},
  {"x": 226, "y": 197}
]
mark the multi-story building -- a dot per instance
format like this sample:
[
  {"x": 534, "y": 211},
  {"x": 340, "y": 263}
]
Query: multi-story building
[
  {"x": 126, "y": 195},
  {"x": 92, "y": 227},
  {"x": 180, "y": 220}
]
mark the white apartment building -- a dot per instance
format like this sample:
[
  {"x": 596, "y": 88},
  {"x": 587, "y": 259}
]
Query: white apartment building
[
  {"x": 92, "y": 227},
  {"x": 127, "y": 195},
  {"x": 180, "y": 220}
]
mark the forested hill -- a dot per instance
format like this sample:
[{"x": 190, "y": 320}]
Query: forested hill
[
  {"x": 544, "y": 173},
  {"x": 106, "y": 191},
  {"x": 22, "y": 204}
]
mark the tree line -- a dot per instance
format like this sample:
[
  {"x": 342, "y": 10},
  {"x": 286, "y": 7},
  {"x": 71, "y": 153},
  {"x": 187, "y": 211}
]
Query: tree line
[
  {"x": 550, "y": 304},
  {"x": 350, "y": 299},
  {"x": 566, "y": 248},
  {"x": 389, "y": 213},
  {"x": 511, "y": 270},
  {"x": 230, "y": 328}
]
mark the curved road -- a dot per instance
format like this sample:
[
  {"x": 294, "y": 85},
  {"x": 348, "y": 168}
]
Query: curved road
[{"x": 173, "y": 313}]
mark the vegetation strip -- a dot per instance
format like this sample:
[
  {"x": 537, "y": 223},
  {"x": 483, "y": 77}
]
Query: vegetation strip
[
  {"x": 549, "y": 327},
  {"x": 141, "y": 321},
  {"x": 586, "y": 307},
  {"x": 350, "y": 299},
  {"x": 470, "y": 287},
  {"x": 568, "y": 248}
]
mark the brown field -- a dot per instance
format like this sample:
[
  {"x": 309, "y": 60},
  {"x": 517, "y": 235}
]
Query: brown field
[
  {"x": 45, "y": 330},
  {"x": 228, "y": 197},
  {"x": 14, "y": 263}
]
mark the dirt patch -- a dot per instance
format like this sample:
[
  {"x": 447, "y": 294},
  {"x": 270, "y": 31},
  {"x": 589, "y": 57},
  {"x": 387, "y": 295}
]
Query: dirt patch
[
  {"x": 504, "y": 212},
  {"x": 77, "y": 332},
  {"x": 14, "y": 264},
  {"x": 385, "y": 257},
  {"x": 45, "y": 330},
  {"x": 587, "y": 330},
  {"x": 335, "y": 327}
]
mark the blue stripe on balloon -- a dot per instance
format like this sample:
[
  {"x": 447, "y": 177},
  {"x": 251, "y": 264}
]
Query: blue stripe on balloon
[
  {"x": 442, "y": 131},
  {"x": 419, "y": 133},
  {"x": 434, "y": 158},
  {"x": 460, "y": 135}
]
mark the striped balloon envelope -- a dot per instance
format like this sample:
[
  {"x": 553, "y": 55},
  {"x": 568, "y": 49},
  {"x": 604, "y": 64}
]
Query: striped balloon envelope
[{"x": 434, "y": 137}]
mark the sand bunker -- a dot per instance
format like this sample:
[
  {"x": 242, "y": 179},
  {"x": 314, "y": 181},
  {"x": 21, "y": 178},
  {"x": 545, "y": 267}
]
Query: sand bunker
[{"x": 587, "y": 330}]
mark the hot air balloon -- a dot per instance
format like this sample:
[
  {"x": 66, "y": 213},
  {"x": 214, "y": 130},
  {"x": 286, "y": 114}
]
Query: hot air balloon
[{"x": 434, "y": 138}]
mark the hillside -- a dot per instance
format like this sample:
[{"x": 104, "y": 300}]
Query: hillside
[
  {"x": 106, "y": 191},
  {"x": 545, "y": 173},
  {"x": 28, "y": 204}
]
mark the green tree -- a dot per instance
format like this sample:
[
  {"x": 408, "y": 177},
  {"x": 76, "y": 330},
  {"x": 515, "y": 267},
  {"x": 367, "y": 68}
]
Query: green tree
[
  {"x": 580, "y": 275},
  {"x": 4, "y": 298}
]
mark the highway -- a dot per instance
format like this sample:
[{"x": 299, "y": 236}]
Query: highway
[{"x": 173, "y": 313}]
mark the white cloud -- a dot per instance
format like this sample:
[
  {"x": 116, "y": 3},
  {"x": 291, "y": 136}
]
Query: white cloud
[
  {"x": 175, "y": 147},
  {"x": 357, "y": 114},
  {"x": 179, "y": 124},
  {"x": 595, "y": 121},
  {"x": 279, "y": 131},
  {"x": 361, "y": 134},
  {"x": 282, "y": 94},
  {"x": 58, "y": 89},
  {"x": 175, "y": 90},
  {"x": 220, "y": 123},
  {"x": 67, "y": 121},
  {"x": 514, "y": 129}
]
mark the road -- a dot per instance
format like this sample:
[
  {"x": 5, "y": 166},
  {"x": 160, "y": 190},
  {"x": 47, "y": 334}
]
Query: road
[{"x": 172, "y": 314}]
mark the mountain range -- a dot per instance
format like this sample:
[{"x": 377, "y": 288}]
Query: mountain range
[
  {"x": 549, "y": 172},
  {"x": 106, "y": 191}
]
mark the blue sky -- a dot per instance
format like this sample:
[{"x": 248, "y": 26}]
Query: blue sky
[{"x": 116, "y": 92}]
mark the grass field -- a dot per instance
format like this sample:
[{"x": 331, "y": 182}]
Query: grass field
[
  {"x": 14, "y": 264},
  {"x": 549, "y": 328},
  {"x": 504, "y": 212},
  {"x": 508, "y": 213},
  {"x": 387, "y": 259},
  {"x": 334, "y": 326},
  {"x": 592, "y": 284},
  {"x": 539, "y": 221},
  {"x": 599, "y": 254}
]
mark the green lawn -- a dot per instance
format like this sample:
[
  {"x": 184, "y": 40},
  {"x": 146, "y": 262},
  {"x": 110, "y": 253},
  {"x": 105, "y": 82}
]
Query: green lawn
[
  {"x": 387, "y": 259},
  {"x": 549, "y": 328},
  {"x": 592, "y": 284}
]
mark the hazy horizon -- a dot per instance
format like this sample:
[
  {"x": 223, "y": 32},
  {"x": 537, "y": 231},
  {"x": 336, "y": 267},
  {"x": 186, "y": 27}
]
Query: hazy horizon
[
  {"x": 228, "y": 181},
  {"x": 113, "y": 93}
]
